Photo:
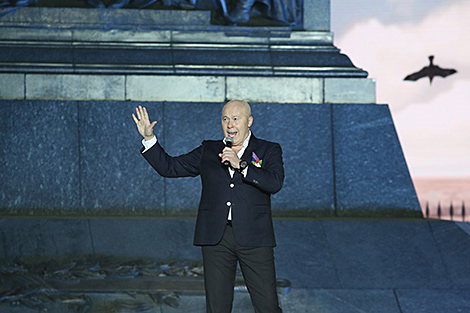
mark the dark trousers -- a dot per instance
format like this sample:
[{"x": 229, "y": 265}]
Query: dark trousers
[{"x": 257, "y": 265}]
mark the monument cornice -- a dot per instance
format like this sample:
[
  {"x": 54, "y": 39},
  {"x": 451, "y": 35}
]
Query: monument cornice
[{"x": 63, "y": 41}]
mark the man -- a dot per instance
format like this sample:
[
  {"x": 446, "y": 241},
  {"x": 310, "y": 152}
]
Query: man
[{"x": 234, "y": 216}]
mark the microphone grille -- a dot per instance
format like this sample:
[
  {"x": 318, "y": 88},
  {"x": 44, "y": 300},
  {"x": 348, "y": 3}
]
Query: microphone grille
[{"x": 228, "y": 142}]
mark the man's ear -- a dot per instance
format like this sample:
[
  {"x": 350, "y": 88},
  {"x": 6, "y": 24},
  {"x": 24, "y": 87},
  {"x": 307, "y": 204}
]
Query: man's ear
[{"x": 250, "y": 121}]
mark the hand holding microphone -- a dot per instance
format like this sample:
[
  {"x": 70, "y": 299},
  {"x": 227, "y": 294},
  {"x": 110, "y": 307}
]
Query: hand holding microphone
[
  {"x": 228, "y": 144},
  {"x": 229, "y": 156}
]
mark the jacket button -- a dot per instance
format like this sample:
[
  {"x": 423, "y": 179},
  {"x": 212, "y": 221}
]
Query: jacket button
[
  {"x": 232, "y": 185},
  {"x": 229, "y": 203}
]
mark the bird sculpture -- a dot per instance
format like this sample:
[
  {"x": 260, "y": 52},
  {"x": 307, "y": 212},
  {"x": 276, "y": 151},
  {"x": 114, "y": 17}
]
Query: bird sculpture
[{"x": 430, "y": 71}]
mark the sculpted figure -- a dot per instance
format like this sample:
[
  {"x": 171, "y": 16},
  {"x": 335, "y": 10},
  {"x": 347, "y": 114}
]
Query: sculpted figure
[
  {"x": 285, "y": 12},
  {"x": 113, "y": 4},
  {"x": 278, "y": 10}
]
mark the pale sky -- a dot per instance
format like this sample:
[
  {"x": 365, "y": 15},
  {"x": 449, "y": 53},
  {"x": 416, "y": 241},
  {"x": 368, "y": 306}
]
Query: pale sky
[{"x": 393, "y": 38}]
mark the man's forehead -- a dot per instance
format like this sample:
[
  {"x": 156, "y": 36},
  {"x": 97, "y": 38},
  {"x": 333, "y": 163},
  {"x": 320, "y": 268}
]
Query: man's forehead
[
  {"x": 235, "y": 108},
  {"x": 235, "y": 114}
]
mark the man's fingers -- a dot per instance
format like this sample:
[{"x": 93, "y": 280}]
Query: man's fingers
[
  {"x": 228, "y": 154},
  {"x": 137, "y": 112},
  {"x": 135, "y": 118},
  {"x": 142, "y": 114},
  {"x": 223, "y": 157},
  {"x": 145, "y": 114}
]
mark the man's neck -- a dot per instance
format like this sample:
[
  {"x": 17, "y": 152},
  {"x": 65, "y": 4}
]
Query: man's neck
[
  {"x": 237, "y": 148},
  {"x": 244, "y": 143}
]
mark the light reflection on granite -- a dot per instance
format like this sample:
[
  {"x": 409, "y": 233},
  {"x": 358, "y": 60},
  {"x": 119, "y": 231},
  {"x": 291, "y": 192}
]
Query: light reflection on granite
[
  {"x": 370, "y": 168},
  {"x": 79, "y": 158},
  {"x": 40, "y": 160}
]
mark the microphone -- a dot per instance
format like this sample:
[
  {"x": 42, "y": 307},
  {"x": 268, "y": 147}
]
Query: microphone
[{"x": 228, "y": 144}]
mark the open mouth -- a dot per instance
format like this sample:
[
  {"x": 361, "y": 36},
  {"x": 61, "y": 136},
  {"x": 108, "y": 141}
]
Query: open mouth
[{"x": 232, "y": 134}]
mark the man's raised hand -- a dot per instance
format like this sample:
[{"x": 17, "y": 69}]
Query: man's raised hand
[{"x": 141, "y": 119}]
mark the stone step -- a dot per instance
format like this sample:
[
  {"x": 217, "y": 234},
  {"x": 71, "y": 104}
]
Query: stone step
[{"x": 160, "y": 42}]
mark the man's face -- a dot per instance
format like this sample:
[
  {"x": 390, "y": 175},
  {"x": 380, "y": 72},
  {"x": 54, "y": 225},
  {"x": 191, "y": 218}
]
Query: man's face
[{"x": 236, "y": 122}]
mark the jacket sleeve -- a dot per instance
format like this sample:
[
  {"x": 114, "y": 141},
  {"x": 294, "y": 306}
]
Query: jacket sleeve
[
  {"x": 270, "y": 177},
  {"x": 186, "y": 165}
]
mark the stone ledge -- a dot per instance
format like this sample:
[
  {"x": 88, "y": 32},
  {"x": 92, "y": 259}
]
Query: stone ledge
[
  {"x": 101, "y": 18},
  {"x": 355, "y": 90},
  {"x": 12, "y": 86},
  {"x": 75, "y": 87},
  {"x": 175, "y": 88},
  {"x": 195, "y": 50},
  {"x": 274, "y": 37},
  {"x": 196, "y": 88}
]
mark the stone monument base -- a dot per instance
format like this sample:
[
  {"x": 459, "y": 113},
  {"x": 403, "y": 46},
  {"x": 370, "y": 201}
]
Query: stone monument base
[{"x": 81, "y": 72}]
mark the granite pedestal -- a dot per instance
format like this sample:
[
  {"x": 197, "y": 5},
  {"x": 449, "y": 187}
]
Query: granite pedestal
[{"x": 75, "y": 157}]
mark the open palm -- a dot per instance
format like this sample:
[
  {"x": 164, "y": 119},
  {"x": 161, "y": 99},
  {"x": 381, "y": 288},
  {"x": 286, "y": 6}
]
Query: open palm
[{"x": 142, "y": 121}]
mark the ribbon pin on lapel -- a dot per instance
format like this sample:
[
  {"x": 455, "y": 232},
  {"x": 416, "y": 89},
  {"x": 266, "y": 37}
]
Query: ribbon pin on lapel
[{"x": 255, "y": 160}]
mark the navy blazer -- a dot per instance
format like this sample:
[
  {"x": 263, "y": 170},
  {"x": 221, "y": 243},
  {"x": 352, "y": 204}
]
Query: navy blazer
[{"x": 249, "y": 197}]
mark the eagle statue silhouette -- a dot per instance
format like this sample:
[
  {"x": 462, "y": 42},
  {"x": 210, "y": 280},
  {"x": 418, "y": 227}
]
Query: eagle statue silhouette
[{"x": 430, "y": 71}]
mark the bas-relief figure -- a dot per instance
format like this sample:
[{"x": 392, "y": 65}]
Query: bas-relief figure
[
  {"x": 278, "y": 12},
  {"x": 284, "y": 11}
]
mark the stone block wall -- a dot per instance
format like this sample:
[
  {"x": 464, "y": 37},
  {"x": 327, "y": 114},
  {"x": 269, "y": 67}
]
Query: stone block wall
[
  {"x": 69, "y": 155},
  {"x": 196, "y": 88}
]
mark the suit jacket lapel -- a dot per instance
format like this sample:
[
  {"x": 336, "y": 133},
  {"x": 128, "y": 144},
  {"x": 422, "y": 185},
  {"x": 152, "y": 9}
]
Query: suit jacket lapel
[{"x": 251, "y": 147}]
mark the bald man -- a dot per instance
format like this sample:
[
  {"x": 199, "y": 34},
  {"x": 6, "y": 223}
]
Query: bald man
[{"x": 234, "y": 221}]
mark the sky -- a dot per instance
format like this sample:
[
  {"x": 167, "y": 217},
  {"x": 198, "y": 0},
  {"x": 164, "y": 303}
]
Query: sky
[{"x": 393, "y": 38}]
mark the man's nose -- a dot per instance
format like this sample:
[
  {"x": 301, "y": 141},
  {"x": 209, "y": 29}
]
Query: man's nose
[{"x": 229, "y": 124}]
